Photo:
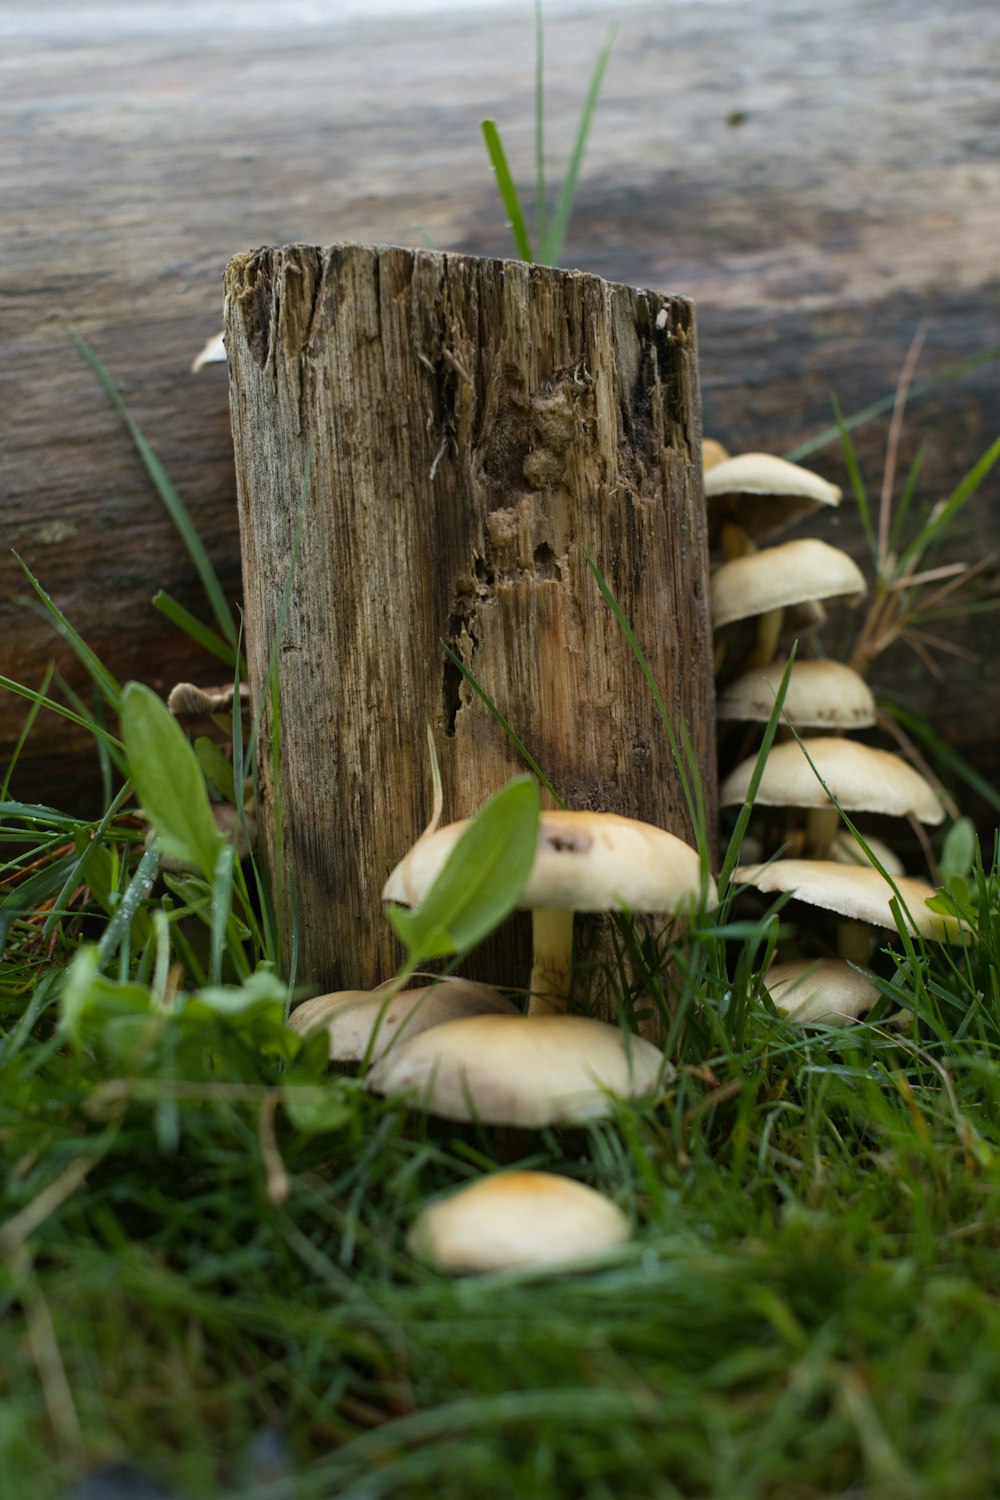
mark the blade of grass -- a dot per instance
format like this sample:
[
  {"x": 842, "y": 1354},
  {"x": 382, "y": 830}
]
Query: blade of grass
[
  {"x": 770, "y": 730},
  {"x": 98, "y": 672},
  {"x": 508, "y": 730},
  {"x": 506, "y": 189},
  {"x": 541, "y": 207},
  {"x": 26, "y": 729},
  {"x": 885, "y": 403},
  {"x": 66, "y": 713},
  {"x": 687, "y": 769},
  {"x": 550, "y": 251},
  {"x": 857, "y": 483},
  {"x": 192, "y": 626},
  {"x": 171, "y": 499},
  {"x": 944, "y": 514}
]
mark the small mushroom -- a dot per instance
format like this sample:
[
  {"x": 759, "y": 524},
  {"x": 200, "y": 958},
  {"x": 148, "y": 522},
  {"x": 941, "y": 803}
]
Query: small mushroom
[
  {"x": 860, "y": 779},
  {"x": 516, "y": 1219},
  {"x": 791, "y": 573},
  {"x": 820, "y": 695},
  {"x": 366, "y": 1023},
  {"x": 528, "y": 1071},
  {"x": 820, "y": 991},
  {"x": 853, "y": 891},
  {"x": 585, "y": 862},
  {"x": 764, "y": 494}
]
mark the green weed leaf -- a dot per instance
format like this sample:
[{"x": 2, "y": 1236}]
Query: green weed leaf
[
  {"x": 481, "y": 880},
  {"x": 169, "y": 780}
]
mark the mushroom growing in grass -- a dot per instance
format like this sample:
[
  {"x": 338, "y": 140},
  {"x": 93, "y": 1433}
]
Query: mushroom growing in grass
[
  {"x": 520, "y": 1071},
  {"x": 516, "y": 1219},
  {"x": 820, "y": 695},
  {"x": 860, "y": 893},
  {"x": 366, "y": 1023},
  {"x": 585, "y": 861},
  {"x": 820, "y": 991},
  {"x": 761, "y": 495},
  {"x": 767, "y": 583},
  {"x": 815, "y": 773}
]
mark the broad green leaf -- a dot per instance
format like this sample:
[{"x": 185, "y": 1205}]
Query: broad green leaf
[
  {"x": 958, "y": 853},
  {"x": 313, "y": 1108},
  {"x": 481, "y": 879},
  {"x": 216, "y": 767},
  {"x": 169, "y": 781}
]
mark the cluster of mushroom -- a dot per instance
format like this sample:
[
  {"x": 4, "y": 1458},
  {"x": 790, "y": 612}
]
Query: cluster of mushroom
[
  {"x": 785, "y": 587},
  {"x": 464, "y": 1051}
]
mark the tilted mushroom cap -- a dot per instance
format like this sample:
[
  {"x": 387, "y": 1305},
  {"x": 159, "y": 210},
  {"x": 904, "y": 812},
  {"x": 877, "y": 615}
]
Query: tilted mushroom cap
[
  {"x": 791, "y": 573},
  {"x": 860, "y": 892},
  {"x": 820, "y": 695},
  {"x": 860, "y": 778},
  {"x": 585, "y": 862},
  {"x": 516, "y": 1219},
  {"x": 846, "y": 850},
  {"x": 351, "y": 1016},
  {"x": 712, "y": 454},
  {"x": 514, "y": 1070},
  {"x": 764, "y": 493},
  {"x": 820, "y": 990}
]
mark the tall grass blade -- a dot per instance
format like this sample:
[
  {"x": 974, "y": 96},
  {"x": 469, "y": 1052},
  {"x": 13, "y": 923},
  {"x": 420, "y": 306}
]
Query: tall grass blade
[
  {"x": 171, "y": 499},
  {"x": 878, "y": 408},
  {"x": 684, "y": 760},
  {"x": 857, "y": 482},
  {"x": 193, "y": 627},
  {"x": 507, "y": 190},
  {"x": 26, "y": 729},
  {"x": 80, "y": 720},
  {"x": 99, "y": 674},
  {"x": 541, "y": 205},
  {"x": 731, "y": 858},
  {"x": 943, "y": 515},
  {"x": 551, "y": 249},
  {"x": 508, "y": 730}
]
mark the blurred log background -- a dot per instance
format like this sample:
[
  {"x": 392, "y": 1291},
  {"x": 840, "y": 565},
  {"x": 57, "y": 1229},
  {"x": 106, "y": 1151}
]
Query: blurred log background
[{"x": 821, "y": 181}]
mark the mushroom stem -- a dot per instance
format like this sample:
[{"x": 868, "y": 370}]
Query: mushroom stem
[
  {"x": 552, "y": 961},
  {"x": 769, "y": 627},
  {"x": 822, "y": 826},
  {"x": 854, "y": 941}
]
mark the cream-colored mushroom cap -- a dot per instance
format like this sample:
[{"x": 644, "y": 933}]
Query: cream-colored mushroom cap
[
  {"x": 360, "y": 1023},
  {"x": 846, "y": 850},
  {"x": 516, "y": 1219},
  {"x": 820, "y": 695},
  {"x": 765, "y": 493},
  {"x": 791, "y": 573},
  {"x": 516, "y": 1070},
  {"x": 712, "y": 454},
  {"x": 860, "y": 892},
  {"x": 823, "y": 990},
  {"x": 585, "y": 862},
  {"x": 860, "y": 778}
]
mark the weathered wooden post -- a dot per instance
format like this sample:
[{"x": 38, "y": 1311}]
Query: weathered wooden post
[{"x": 463, "y": 432}]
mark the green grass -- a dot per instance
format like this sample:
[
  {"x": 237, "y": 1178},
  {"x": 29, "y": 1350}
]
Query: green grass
[{"x": 203, "y": 1233}]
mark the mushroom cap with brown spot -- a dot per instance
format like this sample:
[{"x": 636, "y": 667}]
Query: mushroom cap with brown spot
[
  {"x": 526, "y": 1071},
  {"x": 820, "y": 695},
  {"x": 764, "y": 494},
  {"x": 776, "y": 577},
  {"x": 516, "y": 1219},
  {"x": 820, "y": 990},
  {"x": 585, "y": 862},
  {"x": 860, "y": 779},
  {"x": 360, "y": 1023},
  {"x": 852, "y": 891}
]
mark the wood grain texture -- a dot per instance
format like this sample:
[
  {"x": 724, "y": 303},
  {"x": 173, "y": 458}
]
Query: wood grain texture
[
  {"x": 463, "y": 432},
  {"x": 818, "y": 180}
]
